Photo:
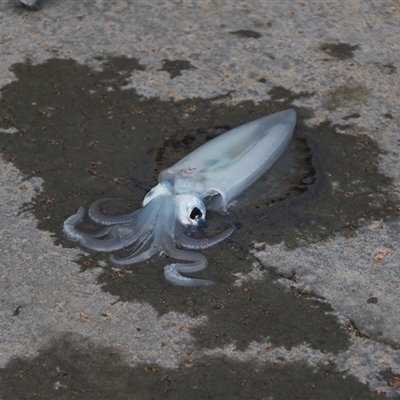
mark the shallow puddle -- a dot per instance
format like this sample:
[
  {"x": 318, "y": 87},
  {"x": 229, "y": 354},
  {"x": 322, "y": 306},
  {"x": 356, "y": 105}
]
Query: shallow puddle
[{"x": 89, "y": 139}]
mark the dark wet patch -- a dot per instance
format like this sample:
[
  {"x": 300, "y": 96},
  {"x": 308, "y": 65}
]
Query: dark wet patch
[
  {"x": 246, "y": 33},
  {"x": 372, "y": 300},
  {"x": 341, "y": 50},
  {"x": 346, "y": 96},
  {"x": 74, "y": 367},
  {"x": 281, "y": 93},
  {"x": 122, "y": 65},
  {"x": 175, "y": 67},
  {"x": 352, "y": 116},
  {"x": 391, "y": 378},
  {"x": 388, "y": 69},
  {"x": 17, "y": 311},
  {"x": 235, "y": 315},
  {"x": 88, "y": 139}
]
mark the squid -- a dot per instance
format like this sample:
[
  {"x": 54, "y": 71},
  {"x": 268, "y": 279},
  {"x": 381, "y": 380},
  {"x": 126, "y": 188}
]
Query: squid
[{"x": 210, "y": 177}]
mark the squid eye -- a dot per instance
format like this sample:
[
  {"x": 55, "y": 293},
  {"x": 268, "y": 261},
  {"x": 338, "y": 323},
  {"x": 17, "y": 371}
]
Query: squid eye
[
  {"x": 196, "y": 214},
  {"x": 190, "y": 211}
]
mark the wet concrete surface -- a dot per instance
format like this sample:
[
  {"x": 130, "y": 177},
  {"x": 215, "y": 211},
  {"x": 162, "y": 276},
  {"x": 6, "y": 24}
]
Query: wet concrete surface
[{"x": 305, "y": 305}]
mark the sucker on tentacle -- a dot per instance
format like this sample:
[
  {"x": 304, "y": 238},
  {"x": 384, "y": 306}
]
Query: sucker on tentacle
[{"x": 215, "y": 173}]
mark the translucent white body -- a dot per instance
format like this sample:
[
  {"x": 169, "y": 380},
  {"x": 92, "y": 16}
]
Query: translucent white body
[{"x": 230, "y": 163}]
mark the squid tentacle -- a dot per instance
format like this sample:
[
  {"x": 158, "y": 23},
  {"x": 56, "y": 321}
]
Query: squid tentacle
[
  {"x": 111, "y": 238},
  {"x": 140, "y": 244},
  {"x": 201, "y": 244},
  {"x": 166, "y": 216},
  {"x": 73, "y": 234},
  {"x": 172, "y": 272},
  {"x": 136, "y": 250},
  {"x": 100, "y": 218},
  {"x": 133, "y": 259}
]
